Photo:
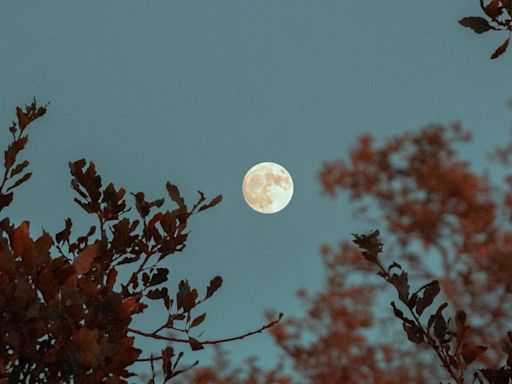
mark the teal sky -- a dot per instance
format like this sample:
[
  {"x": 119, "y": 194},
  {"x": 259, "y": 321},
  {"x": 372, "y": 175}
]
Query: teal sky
[{"x": 197, "y": 92}]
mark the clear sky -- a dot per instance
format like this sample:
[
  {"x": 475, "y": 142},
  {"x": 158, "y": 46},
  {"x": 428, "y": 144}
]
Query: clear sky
[{"x": 199, "y": 91}]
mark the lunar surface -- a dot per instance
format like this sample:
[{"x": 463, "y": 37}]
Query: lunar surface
[{"x": 267, "y": 187}]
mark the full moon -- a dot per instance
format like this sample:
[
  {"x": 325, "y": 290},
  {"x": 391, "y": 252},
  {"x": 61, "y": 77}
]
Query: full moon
[{"x": 267, "y": 187}]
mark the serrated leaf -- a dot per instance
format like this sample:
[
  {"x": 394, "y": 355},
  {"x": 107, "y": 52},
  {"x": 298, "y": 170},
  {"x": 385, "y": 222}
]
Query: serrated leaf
[{"x": 370, "y": 244}]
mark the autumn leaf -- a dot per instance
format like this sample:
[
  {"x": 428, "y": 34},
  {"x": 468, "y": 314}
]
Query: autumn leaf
[
  {"x": 21, "y": 238},
  {"x": 84, "y": 260},
  {"x": 87, "y": 340}
]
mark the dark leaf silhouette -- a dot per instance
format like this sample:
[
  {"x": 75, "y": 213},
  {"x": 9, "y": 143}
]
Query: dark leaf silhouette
[
  {"x": 477, "y": 24},
  {"x": 215, "y": 284},
  {"x": 216, "y": 200},
  {"x": 65, "y": 317},
  {"x": 414, "y": 333},
  {"x": 501, "y": 49},
  {"x": 430, "y": 291},
  {"x": 498, "y": 18}
]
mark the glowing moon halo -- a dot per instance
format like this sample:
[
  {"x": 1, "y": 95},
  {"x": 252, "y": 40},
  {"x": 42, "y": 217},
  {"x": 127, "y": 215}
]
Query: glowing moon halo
[{"x": 267, "y": 187}]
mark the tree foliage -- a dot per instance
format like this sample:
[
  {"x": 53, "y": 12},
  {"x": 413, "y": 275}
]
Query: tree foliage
[
  {"x": 65, "y": 311},
  {"x": 430, "y": 199},
  {"x": 448, "y": 244}
]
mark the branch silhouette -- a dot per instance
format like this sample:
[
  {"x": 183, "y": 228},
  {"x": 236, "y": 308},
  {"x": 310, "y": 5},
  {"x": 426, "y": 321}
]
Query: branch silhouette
[{"x": 66, "y": 318}]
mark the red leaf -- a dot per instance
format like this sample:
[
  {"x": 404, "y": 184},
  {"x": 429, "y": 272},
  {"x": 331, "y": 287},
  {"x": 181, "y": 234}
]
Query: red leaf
[
  {"x": 84, "y": 260},
  {"x": 87, "y": 340},
  {"x": 21, "y": 237}
]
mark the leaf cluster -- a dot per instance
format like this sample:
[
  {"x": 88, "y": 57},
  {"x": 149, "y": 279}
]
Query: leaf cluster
[
  {"x": 498, "y": 18},
  {"x": 66, "y": 318},
  {"x": 446, "y": 336}
]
